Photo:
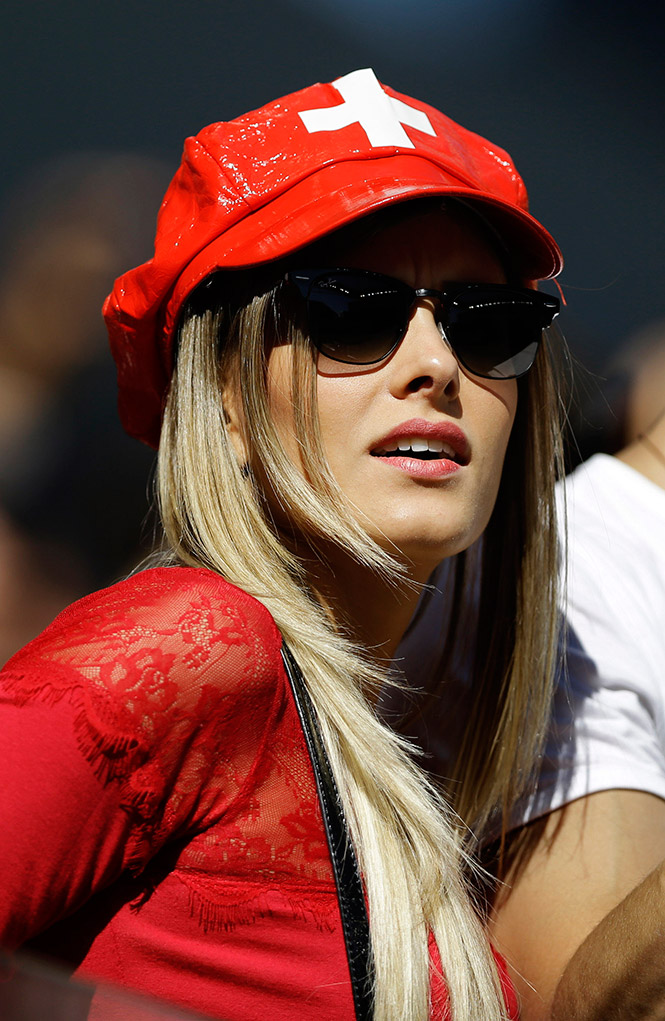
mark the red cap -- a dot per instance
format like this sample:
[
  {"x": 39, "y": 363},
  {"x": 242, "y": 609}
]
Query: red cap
[{"x": 257, "y": 188}]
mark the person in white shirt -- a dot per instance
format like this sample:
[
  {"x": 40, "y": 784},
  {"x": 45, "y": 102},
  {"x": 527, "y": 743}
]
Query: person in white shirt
[{"x": 582, "y": 923}]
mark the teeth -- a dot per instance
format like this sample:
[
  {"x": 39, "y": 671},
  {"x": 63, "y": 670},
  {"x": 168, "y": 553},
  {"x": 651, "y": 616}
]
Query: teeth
[{"x": 420, "y": 445}]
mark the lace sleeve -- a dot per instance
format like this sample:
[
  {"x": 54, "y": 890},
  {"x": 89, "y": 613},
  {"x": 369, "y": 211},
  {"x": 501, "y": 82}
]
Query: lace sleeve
[{"x": 137, "y": 717}]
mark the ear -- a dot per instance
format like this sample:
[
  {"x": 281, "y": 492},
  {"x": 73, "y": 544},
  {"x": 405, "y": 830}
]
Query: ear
[{"x": 235, "y": 423}]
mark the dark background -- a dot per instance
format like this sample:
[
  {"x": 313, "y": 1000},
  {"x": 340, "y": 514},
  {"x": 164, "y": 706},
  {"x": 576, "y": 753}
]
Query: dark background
[
  {"x": 574, "y": 91},
  {"x": 97, "y": 98}
]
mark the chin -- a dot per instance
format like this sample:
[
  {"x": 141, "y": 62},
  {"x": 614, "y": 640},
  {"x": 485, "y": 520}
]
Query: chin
[{"x": 423, "y": 553}]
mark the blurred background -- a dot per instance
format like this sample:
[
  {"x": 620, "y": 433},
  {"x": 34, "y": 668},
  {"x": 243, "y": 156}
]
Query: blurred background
[{"x": 98, "y": 99}]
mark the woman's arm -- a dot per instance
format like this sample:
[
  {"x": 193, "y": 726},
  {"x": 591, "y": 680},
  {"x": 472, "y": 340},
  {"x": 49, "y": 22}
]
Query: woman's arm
[
  {"x": 64, "y": 832},
  {"x": 593, "y": 853},
  {"x": 618, "y": 974}
]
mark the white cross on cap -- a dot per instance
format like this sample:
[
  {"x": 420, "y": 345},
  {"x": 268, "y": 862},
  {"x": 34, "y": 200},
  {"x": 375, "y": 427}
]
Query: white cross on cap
[{"x": 380, "y": 116}]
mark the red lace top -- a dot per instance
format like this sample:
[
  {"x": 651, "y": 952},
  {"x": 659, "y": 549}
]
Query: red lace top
[{"x": 160, "y": 823}]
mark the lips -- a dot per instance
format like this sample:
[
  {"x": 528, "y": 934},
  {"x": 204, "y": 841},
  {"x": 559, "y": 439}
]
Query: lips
[{"x": 420, "y": 440}]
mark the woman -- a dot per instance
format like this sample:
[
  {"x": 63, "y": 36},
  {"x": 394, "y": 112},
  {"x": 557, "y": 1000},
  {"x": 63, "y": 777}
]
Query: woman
[{"x": 326, "y": 346}]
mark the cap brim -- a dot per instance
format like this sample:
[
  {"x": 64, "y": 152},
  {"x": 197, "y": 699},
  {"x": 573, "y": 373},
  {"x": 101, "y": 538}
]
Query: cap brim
[{"x": 342, "y": 192}]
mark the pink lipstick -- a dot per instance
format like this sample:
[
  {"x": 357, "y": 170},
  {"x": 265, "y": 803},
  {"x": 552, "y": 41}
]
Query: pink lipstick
[{"x": 424, "y": 449}]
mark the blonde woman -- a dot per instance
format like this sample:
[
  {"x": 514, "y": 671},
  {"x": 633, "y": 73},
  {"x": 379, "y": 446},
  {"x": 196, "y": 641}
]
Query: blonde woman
[{"x": 337, "y": 347}]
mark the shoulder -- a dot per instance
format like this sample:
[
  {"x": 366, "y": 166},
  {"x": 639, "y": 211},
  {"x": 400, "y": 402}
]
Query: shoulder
[
  {"x": 171, "y": 629},
  {"x": 160, "y": 597},
  {"x": 585, "y": 496},
  {"x": 155, "y": 694},
  {"x": 615, "y": 553},
  {"x": 607, "y": 499}
]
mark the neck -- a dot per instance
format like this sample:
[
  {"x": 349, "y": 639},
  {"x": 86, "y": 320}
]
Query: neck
[
  {"x": 647, "y": 453},
  {"x": 375, "y": 612}
]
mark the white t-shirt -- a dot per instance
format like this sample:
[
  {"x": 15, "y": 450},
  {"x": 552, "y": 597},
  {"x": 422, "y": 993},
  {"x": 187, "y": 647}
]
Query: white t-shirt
[
  {"x": 609, "y": 718},
  {"x": 608, "y": 727}
]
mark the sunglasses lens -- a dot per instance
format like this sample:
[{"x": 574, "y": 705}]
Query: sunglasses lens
[
  {"x": 356, "y": 319},
  {"x": 496, "y": 333}
]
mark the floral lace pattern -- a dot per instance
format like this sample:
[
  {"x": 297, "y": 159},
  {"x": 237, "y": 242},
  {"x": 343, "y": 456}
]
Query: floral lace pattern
[
  {"x": 162, "y": 828},
  {"x": 180, "y": 703}
]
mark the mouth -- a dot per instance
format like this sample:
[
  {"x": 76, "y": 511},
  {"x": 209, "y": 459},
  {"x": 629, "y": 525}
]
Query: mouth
[{"x": 422, "y": 448}]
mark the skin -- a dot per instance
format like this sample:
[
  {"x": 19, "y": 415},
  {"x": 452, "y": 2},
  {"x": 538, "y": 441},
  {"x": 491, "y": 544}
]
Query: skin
[
  {"x": 617, "y": 974},
  {"x": 423, "y": 520},
  {"x": 642, "y": 458},
  {"x": 593, "y": 853}
]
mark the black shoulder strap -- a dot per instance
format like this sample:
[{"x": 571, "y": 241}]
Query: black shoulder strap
[{"x": 350, "y": 891}]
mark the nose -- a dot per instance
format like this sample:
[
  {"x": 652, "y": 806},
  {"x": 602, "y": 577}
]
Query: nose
[{"x": 424, "y": 362}]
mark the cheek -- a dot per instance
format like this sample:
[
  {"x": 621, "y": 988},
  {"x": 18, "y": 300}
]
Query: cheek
[
  {"x": 495, "y": 406},
  {"x": 344, "y": 408},
  {"x": 499, "y": 420},
  {"x": 506, "y": 405},
  {"x": 491, "y": 411},
  {"x": 342, "y": 404}
]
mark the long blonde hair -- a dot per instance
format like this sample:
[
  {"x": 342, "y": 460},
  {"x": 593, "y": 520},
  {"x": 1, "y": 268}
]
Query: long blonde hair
[{"x": 408, "y": 841}]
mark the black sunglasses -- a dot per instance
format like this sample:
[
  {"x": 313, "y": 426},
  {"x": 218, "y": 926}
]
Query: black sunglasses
[{"x": 358, "y": 317}]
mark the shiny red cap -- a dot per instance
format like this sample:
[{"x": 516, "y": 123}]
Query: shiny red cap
[{"x": 259, "y": 187}]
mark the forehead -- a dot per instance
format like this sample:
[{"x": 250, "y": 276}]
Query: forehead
[{"x": 433, "y": 242}]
